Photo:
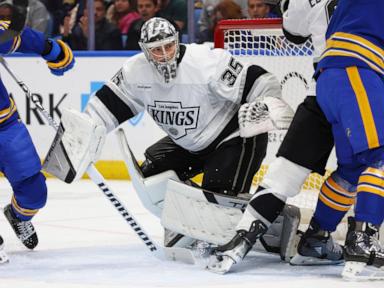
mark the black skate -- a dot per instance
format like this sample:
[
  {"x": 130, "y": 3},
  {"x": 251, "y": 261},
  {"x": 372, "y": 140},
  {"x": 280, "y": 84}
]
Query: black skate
[
  {"x": 316, "y": 247},
  {"x": 24, "y": 229},
  {"x": 363, "y": 253},
  {"x": 236, "y": 249},
  {"x": 3, "y": 256}
]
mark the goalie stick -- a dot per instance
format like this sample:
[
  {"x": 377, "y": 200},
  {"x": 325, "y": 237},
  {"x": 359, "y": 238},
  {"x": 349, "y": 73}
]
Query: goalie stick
[
  {"x": 95, "y": 176},
  {"x": 153, "y": 202}
]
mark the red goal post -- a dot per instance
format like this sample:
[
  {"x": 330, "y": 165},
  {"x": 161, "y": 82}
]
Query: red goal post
[{"x": 243, "y": 24}]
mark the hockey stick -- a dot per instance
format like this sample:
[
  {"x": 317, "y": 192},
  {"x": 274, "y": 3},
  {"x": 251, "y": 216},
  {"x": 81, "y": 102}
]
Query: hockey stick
[
  {"x": 95, "y": 176},
  {"x": 152, "y": 203}
]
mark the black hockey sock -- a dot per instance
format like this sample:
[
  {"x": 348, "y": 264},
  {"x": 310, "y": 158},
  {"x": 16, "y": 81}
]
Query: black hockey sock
[{"x": 267, "y": 205}]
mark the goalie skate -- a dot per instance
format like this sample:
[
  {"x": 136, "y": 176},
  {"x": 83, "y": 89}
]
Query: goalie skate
[
  {"x": 235, "y": 250},
  {"x": 229, "y": 254},
  {"x": 3, "y": 256},
  {"x": 24, "y": 230}
]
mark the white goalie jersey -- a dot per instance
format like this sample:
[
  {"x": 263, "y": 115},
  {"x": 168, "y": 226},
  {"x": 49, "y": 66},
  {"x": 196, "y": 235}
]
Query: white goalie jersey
[
  {"x": 195, "y": 107},
  {"x": 308, "y": 18}
]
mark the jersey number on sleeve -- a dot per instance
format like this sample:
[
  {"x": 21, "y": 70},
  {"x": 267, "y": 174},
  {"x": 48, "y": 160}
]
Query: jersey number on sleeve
[{"x": 230, "y": 74}]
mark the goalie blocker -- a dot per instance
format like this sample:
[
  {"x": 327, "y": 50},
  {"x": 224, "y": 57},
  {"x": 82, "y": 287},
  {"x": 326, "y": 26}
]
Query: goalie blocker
[{"x": 77, "y": 144}]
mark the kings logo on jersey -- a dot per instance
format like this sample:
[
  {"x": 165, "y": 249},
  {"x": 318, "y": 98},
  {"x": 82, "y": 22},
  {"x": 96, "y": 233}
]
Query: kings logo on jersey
[{"x": 173, "y": 118}]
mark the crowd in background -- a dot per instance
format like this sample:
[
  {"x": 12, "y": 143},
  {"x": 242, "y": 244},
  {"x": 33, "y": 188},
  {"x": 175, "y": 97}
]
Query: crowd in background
[{"x": 118, "y": 22}]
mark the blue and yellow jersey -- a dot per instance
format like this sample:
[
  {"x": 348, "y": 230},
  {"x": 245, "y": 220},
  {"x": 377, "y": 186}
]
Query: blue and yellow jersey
[
  {"x": 29, "y": 41},
  {"x": 355, "y": 36}
]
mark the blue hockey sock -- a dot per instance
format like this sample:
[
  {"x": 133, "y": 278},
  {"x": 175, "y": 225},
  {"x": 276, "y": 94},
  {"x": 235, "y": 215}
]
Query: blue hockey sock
[{"x": 335, "y": 198}]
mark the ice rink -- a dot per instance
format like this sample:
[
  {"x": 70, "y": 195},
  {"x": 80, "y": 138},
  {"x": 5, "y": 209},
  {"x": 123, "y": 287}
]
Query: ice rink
[{"x": 85, "y": 243}]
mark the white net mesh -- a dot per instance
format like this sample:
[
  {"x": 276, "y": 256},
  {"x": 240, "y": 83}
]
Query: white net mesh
[
  {"x": 263, "y": 44},
  {"x": 268, "y": 42},
  {"x": 293, "y": 65}
]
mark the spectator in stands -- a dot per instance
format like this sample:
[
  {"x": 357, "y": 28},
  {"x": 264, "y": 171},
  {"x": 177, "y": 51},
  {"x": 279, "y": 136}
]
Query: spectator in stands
[
  {"x": 205, "y": 21},
  {"x": 58, "y": 10},
  {"x": 175, "y": 11},
  {"x": 262, "y": 8},
  {"x": 37, "y": 17},
  {"x": 123, "y": 13},
  {"x": 225, "y": 9},
  {"x": 107, "y": 35},
  {"x": 147, "y": 10},
  {"x": 5, "y": 12}
]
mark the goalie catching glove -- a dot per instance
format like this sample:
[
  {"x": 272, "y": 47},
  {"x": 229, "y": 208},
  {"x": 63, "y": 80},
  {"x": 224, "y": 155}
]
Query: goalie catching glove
[
  {"x": 262, "y": 116},
  {"x": 77, "y": 144}
]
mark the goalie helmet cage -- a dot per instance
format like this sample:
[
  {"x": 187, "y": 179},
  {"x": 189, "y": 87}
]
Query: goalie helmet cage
[{"x": 262, "y": 42}]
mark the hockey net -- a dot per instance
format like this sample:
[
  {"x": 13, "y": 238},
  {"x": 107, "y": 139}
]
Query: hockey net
[{"x": 261, "y": 42}]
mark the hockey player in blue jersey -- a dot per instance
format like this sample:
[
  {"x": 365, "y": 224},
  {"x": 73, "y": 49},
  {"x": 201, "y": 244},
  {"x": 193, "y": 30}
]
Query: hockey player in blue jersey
[
  {"x": 350, "y": 92},
  {"x": 19, "y": 161}
]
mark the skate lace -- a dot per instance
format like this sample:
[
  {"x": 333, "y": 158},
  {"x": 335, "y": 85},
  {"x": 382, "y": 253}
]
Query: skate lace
[
  {"x": 337, "y": 249},
  {"x": 334, "y": 247},
  {"x": 25, "y": 229},
  {"x": 374, "y": 244}
]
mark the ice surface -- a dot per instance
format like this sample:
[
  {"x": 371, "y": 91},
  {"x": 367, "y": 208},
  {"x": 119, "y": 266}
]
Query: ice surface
[{"x": 85, "y": 243}]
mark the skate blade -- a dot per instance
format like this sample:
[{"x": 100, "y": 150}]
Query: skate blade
[
  {"x": 221, "y": 266},
  {"x": 359, "y": 271},
  {"x": 299, "y": 260},
  {"x": 179, "y": 254}
]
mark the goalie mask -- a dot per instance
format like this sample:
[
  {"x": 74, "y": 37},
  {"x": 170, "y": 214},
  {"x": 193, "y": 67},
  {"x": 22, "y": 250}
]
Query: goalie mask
[{"x": 159, "y": 41}]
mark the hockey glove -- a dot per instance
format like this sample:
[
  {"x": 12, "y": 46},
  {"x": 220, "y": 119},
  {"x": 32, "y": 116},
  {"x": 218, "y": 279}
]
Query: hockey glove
[
  {"x": 262, "y": 116},
  {"x": 59, "y": 58}
]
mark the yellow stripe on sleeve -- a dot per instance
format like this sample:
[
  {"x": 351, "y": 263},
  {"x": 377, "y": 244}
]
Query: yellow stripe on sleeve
[
  {"x": 68, "y": 56},
  {"x": 8, "y": 112}
]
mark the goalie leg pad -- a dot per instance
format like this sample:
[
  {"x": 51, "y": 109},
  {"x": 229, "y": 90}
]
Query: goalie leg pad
[
  {"x": 151, "y": 190},
  {"x": 213, "y": 217},
  {"x": 200, "y": 214},
  {"x": 77, "y": 144}
]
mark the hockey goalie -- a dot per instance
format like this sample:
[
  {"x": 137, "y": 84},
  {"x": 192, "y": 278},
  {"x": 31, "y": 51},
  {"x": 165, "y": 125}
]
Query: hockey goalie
[{"x": 216, "y": 112}]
